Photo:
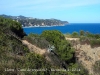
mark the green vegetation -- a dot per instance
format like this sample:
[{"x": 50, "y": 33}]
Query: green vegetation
[
  {"x": 10, "y": 47},
  {"x": 75, "y": 35},
  {"x": 86, "y": 37},
  {"x": 82, "y": 33},
  {"x": 95, "y": 42},
  {"x": 14, "y": 55},
  {"x": 92, "y": 39},
  {"x": 37, "y": 40},
  {"x": 62, "y": 47},
  {"x": 8, "y": 24},
  {"x": 96, "y": 67},
  {"x": 68, "y": 35}
]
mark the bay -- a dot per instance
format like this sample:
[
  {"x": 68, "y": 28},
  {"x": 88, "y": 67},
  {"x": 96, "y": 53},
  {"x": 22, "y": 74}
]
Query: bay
[{"x": 69, "y": 28}]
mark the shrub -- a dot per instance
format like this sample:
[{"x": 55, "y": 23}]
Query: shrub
[
  {"x": 75, "y": 35},
  {"x": 82, "y": 33},
  {"x": 96, "y": 67},
  {"x": 95, "y": 42}
]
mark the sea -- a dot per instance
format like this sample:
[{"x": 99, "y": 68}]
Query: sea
[{"x": 68, "y": 28}]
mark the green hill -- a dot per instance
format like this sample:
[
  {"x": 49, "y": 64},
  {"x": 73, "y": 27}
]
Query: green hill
[{"x": 15, "y": 56}]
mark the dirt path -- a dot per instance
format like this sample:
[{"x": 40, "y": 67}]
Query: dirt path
[
  {"x": 33, "y": 48},
  {"x": 48, "y": 56},
  {"x": 38, "y": 50},
  {"x": 72, "y": 39}
]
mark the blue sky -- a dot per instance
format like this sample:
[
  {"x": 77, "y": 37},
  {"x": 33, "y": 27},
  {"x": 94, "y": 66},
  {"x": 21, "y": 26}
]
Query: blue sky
[{"x": 73, "y": 11}]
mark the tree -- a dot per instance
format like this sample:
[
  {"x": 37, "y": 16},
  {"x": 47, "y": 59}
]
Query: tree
[
  {"x": 82, "y": 33},
  {"x": 97, "y": 36},
  {"x": 75, "y": 34},
  {"x": 35, "y": 61},
  {"x": 62, "y": 46}
]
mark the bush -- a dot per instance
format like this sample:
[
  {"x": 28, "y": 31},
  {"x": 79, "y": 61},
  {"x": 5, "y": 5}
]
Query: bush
[
  {"x": 8, "y": 24},
  {"x": 75, "y": 35},
  {"x": 96, "y": 68},
  {"x": 37, "y": 40},
  {"x": 67, "y": 35},
  {"x": 95, "y": 42},
  {"x": 82, "y": 33},
  {"x": 62, "y": 46},
  {"x": 84, "y": 39}
]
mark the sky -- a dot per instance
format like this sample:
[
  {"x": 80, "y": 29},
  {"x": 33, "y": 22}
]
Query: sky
[{"x": 73, "y": 11}]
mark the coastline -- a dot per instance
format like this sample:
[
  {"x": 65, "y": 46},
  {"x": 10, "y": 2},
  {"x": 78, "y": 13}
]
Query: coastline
[
  {"x": 42, "y": 26},
  {"x": 68, "y": 28}
]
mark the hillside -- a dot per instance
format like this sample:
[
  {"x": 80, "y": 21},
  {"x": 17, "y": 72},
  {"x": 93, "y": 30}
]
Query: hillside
[
  {"x": 88, "y": 56},
  {"x": 19, "y": 54},
  {"x": 29, "y": 21},
  {"x": 87, "y": 50}
]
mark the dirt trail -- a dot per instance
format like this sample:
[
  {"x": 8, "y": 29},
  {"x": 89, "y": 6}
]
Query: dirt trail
[
  {"x": 72, "y": 39},
  {"x": 33, "y": 48},
  {"x": 48, "y": 56}
]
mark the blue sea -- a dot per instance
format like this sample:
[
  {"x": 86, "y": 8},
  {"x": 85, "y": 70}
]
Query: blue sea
[{"x": 68, "y": 28}]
